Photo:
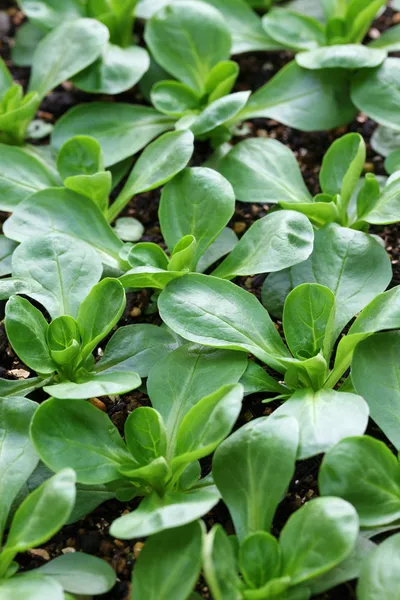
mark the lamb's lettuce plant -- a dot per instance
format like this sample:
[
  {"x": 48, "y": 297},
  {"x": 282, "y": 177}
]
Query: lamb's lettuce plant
[
  {"x": 378, "y": 577},
  {"x": 266, "y": 171},
  {"x": 214, "y": 312},
  {"x": 53, "y": 62},
  {"x": 63, "y": 275},
  {"x": 194, "y": 210},
  {"x": 121, "y": 63},
  {"x": 41, "y": 514},
  {"x": 252, "y": 469},
  {"x": 196, "y": 400}
]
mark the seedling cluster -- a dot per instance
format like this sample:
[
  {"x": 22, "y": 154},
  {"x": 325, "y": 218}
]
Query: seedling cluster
[{"x": 262, "y": 352}]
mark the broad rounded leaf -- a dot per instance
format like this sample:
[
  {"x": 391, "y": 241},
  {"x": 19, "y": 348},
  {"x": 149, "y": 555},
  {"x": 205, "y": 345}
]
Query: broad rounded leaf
[
  {"x": 98, "y": 384},
  {"x": 31, "y": 587},
  {"x": 49, "y": 13},
  {"x": 293, "y": 30},
  {"x": 264, "y": 170},
  {"x": 379, "y": 577},
  {"x": 219, "y": 112},
  {"x": 344, "y": 56}
]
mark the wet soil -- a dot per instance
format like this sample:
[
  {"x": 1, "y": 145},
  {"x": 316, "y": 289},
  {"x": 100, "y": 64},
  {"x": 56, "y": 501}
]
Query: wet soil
[{"x": 91, "y": 534}]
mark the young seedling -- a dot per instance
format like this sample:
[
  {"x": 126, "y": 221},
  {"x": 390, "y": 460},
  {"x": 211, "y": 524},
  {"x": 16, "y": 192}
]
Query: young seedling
[
  {"x": 159, "y": 458},
  {"x": 214, "y": 312},
  {"x": 121, "y": 64},
  {"x": 264, "y": 170},
  {"x": 52, "y": 63},
  {"x": 40, "y": 516},
  {"x": 62, "y": 274},
  {"x": 194, "y": 210}
]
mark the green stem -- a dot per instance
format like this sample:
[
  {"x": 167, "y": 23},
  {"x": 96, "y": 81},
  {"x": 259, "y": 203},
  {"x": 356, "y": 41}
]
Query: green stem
[{"x": 118, "y": 205}]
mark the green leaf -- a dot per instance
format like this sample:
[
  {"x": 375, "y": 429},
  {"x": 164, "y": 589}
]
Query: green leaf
[
  {"x": 207, "y": 424},
  {"x": 386, "y": 206},
  {"x": 121, "y": 129},
  {"x": 308, "y": 317},
  {"x": 275, "y": 289},
  {"x": 117, "y": 70},
  {"x": 14, "y": 285},
  {"x": 80, "y": 155},
  {"x": 65, "y": 269},
  {"x": 389, "y": 40},
  {"x": 223, "y": 243},
  {"x": 158, "y": 163},
  {"x": 96, "y": 187},
  {"x": 183, "y": 255},
  {"x": 219, "y": 563},
  {"x": 214, "y": 312},
  {"x": 265, "y": 171},
  {"x": 169, "y": 564},
  {"x": 255, "y": 380},
  {"x": 26, "y": 330},
  {"x": 174, "y": 98},
  {"x": 379, "y": 573},
  {"x": 17, "y": 455},
  {"x": 49, "y": 13},
  {"x": 186, "y": 203},
  {"x": 145, "y": 435},
  {"x": 80, "y": 573},
  {"x": 176, "y": 384},
  {"x": 219, "y": 112},
  {"x": 97, "y": 384},
  {"x": 376, "y": 92},
  {"x": 26, "y": 39},
  {"x": 272, "y": 243},
  {"x": 157, "y": 514},
  {"x": 259, "y": 558},
  {"x": 54, "y": 62},
  {"x": 58, "y": 210},
  {"x": 81, "y": 436},
  {"x": 136, "y": 348},
  {"x": 42, "y": 513},
  {"x": 392, "y": 162},
  {"x": 344, "y": 56},
  {"x": 351, "y": 264},
  {"x": 317, "y": 537},
  {"x": 31, "y": 587},
  {"x": 320, "y": 418},
  {"x": 363, "y": 471},
  {"x": 342, "y": 166},
  {"x": 21, "y": 387},
  {"x": 375, "y": 374},
  {"x": 99, "y": 312},
  {"x": 221, "y": 79},
  {"x": 369, "y": 196},
  {"x": 293, "y": 30},
  {"x": 184, "y": 29},
  {"x": 7, "y": 248},
  {"x": 148, "y": 254},
  {"x": 252, "y": 470},
  {"x": 20, "y": 176},
  {"x": 306, "y": 100},
  {"x": 385, "y": 140}
]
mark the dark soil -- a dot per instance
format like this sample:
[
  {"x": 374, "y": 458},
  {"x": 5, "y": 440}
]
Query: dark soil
[{"x": 91, "y": 534}]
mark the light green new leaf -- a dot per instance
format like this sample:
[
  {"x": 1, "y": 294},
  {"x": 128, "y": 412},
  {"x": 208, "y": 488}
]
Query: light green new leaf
[
  {"x": 54, "y": 61},
  {"x": 26, "y": 330},
  {"x": 195, "y": 31},
  {"x": 320, "y": 418},
  {"x": 264, "y": 170},
  {"x": 190, "y": 373},
  {"x": 42, "y": 513},
  {"x": 386, "y": 207},
  {"x": 220, "y": 568},
  {"x": 169, "y": 565},
  {"x": 157, "y": 514},
  {"x": 379, "y": 577},
  {"x": 121, "y": 129},
  {"x": 17, "y": 455},
  {"x": 363, "y": 471},
  {"x": 259, "y": 558},
  {"x": 377, "y": 91},
  {"x": 389, "y": 40},
  {"x": 145, "y": 435},
  {"x": 252, "y": 469},
  {"x": 255, "y": 379},
  {"x": 272, "y": 243},
  {"x": 207, "y": 424},
  {"x": 342, "y": 166},
  {"x": 219, "y": 112},
  {"x": 317, "y": 537},
  {"x": 214, "y": 312},
  {"x": 31, "y": 587},
  {"x": 65, "y": 269},
  {"x": 80, "y": 573},
  {"x": 99, "y": 312},
  {"x": 58, "y": 210},
  {"x": 98, "y": 384},
  {"x": 186, "y": 203},
  {"x": 81, "y": 436}
]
